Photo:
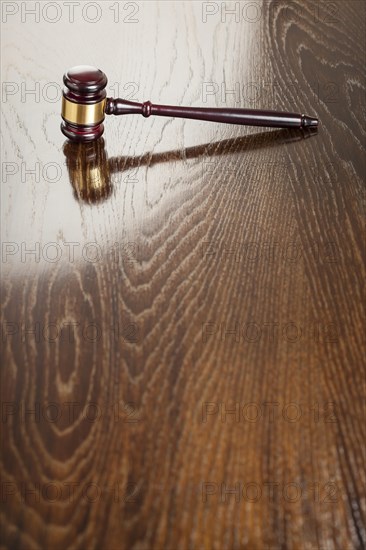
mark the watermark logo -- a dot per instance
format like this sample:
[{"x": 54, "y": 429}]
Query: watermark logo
[
  {"x": 67, "y": 413},
  {"x": 51, "y": 92},
  {"x": 253, "y": 11},
  {"x": 269, "y": 412},
  {"x": 70, "y": 252},
  {"x": 255, "y": 92},
  {"x": 269, "y": 491},
  {"x": 70, "y": 12},
  {"x": 68, "y": 332},
  {"x": 70, "y": 492},
  {"x": 269, "y": 331}
]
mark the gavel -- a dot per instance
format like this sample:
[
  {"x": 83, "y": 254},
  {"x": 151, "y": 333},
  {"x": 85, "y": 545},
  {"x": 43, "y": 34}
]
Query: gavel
[{"x": 85, "y": 104}]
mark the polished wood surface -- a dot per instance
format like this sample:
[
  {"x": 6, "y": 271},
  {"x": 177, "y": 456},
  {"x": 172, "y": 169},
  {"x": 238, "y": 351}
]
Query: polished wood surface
[{"x": 182, "y": 301}]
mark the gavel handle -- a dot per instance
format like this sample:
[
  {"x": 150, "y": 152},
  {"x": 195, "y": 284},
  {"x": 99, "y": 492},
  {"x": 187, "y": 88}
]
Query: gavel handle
[{"x": 247, "y": 117}]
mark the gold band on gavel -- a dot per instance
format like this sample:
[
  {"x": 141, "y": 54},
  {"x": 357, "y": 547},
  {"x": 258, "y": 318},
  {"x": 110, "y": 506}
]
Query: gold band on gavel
[{"x": 80, "y": 113}]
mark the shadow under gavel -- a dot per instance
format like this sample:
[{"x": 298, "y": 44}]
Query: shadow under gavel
[{"x": 90, "y": 169}]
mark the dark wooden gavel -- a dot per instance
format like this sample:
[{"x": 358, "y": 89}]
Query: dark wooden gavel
[{"x": 84, "y": 106}]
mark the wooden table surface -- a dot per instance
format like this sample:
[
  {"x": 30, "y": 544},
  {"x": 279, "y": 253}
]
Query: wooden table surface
[{"x": 182, "y": 302}]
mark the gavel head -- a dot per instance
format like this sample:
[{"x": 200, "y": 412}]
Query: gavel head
[{"x": 83, "y": 103}]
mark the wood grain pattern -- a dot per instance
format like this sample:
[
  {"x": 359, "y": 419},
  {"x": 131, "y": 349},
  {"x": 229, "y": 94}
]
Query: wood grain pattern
[{"x": 191, "y": 320}]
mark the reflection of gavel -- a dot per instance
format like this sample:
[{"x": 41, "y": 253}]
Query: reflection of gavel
[
  {"x": 90, "y": 169},
  {"x": 84, "y": 105}
]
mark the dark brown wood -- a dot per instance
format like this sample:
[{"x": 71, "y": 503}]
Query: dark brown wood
[
  {"x": 247, "y": 117},
  {"x": 179, "y": 270}
]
